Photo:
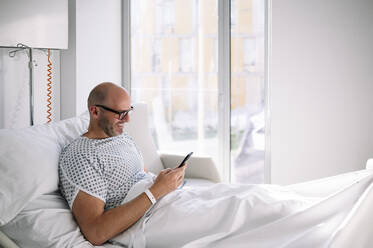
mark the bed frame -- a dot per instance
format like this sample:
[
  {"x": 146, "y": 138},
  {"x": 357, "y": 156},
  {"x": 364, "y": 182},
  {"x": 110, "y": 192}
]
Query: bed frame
[{"x": 6, "y": 242}]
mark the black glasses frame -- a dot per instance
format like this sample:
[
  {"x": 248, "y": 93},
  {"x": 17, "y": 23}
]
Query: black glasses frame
[{"x": 121, "y": 114}]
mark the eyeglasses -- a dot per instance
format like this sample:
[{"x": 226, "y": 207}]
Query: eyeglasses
[{"x": 121, "y": 114}]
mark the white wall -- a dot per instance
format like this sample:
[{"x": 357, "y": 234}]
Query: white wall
[
  {"x": 321, "y": 87},
  {"x": 68, "y": 67},
  {"x": 94, "y": 53}
]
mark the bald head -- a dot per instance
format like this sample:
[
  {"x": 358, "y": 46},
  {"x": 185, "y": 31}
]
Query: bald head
[
  {"x": 106, "y": 94},
  {"x": 106, "y": 102}
]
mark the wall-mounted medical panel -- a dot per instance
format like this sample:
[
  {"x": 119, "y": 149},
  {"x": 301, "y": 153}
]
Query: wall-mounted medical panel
[{"x": 36, "y": 23}]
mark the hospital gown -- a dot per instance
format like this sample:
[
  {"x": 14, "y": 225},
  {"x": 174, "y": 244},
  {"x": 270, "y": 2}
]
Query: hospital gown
[{"x": 104, "y": 168}]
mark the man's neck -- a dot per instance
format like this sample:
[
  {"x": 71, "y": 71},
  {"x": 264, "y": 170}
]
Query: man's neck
[{"x": 93, "y": 134}]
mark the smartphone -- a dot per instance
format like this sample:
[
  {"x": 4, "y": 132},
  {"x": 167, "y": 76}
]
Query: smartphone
[{"x": 185, "y": 159}]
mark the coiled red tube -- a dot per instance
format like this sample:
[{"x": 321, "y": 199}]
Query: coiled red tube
[{"x": 49, "y": 88}]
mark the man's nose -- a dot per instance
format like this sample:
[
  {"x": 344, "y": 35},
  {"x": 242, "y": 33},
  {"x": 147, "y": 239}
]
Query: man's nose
[{"x": 127, "y": 118}]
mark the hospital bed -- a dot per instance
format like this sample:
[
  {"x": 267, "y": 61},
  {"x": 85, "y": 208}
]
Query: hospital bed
[{"x": 33, "y": 213}]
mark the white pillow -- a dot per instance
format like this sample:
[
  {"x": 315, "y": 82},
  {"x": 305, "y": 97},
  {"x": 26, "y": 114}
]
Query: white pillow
[
  {"x": 46, "y": 221},
  {"x": 29, "y": 162}
]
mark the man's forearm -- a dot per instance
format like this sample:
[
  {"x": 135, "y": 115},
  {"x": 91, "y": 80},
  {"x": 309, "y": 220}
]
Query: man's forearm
[
  {"x": 98, "y": 225},
  {"x": 116, "y": 220}
]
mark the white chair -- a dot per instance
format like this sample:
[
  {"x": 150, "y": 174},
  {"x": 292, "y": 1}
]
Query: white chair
[{"x": 200, "y": 170}]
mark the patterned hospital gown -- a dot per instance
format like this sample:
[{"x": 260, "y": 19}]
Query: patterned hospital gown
[{"x": 104, "y": 168}]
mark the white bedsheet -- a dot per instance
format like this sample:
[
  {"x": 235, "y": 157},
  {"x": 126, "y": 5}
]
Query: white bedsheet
[
  {"x": 311, "y": 214},
  {"x": 249, "y": 215}
]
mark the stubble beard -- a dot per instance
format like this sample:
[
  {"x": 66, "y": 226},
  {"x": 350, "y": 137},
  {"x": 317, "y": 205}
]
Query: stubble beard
[{"x": 107, "y": 127}]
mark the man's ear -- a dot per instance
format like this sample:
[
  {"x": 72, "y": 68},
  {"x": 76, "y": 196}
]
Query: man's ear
[{"x": 93, "y": 111}]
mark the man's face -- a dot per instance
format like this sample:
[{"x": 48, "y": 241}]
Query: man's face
[{"x": 109, "y": 122}]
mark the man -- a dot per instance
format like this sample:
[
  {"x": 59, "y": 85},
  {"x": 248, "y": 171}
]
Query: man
[{"x": 97, "y": 169}]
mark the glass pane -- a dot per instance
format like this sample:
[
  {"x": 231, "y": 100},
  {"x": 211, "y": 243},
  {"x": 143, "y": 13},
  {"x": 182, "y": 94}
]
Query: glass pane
[
  {"x": 247, "y": 91},
  {"x": 174, "y": 70}
]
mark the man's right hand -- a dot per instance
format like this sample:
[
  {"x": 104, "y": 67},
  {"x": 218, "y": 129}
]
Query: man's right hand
[{"x": 167, "y": 181}]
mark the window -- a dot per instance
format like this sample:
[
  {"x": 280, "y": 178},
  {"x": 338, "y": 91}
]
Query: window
[{"x": 174, "y": 68}]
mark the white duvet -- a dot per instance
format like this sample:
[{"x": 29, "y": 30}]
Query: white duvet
[
  {"x": 307, "y": 215},
  {"x": 313, "y": 214}
]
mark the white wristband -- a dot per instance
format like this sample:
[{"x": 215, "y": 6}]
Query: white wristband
[{"x": 150, "y": 196}]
